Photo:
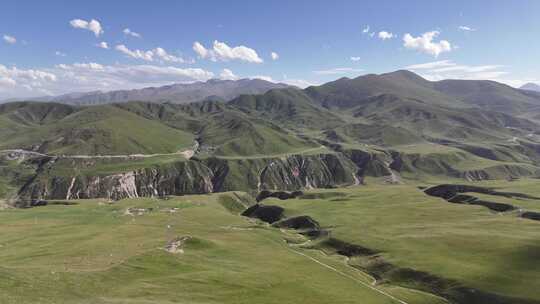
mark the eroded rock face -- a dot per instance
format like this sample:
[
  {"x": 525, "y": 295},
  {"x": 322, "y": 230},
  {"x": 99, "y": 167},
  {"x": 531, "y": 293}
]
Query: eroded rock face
[{"x": 190, "y": 177}]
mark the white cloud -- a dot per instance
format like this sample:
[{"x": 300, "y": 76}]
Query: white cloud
[
  {"x": 263, "y": 77},
  {"x": 444, "y": 66},
  {"x": 129, "y": 32},
  {"x": 274, "y": 55},
  {"x": 431, "y": 65},
  {"x": 355, "y": 58},
  {"x": 137, "y": 54},
  {"x": 222, "y": 52},
  {"x": 103, "y": 45},
  {"x": 6, "y": 82},
  {"x": 200, "y": 50},
  {"x": 10, "y": 39},
  {"x": 163, "y": 55},
  {"x": 301, "y": 83},
  {"x": 466, "y": 28},
  {"x": 337, "y": 71},
  {"x": 58, "y": 53},
  {"x": 14, "y": 81},
  {"x": 447, "y": 69},
  {"x": 386, "y": 35},
  {"x": 426, "y": 44},
  {"x": 63, "y": 78},
  {"x": 366, "y": 30},
  {"x": 227, "y": 74},
  {"x": 155, "y": 54},
  {"x": 93, "y": 25}
]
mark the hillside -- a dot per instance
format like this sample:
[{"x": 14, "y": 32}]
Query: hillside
[{"x": 393, "y": 126}]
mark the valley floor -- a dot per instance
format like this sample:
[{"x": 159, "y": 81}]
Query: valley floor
[{"x": 94, "y": 251}]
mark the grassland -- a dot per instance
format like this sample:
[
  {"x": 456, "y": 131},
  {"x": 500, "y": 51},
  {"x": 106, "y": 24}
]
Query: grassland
[
  {"x": 92, "y": 252},
  {"x": 472, "y": 245}
]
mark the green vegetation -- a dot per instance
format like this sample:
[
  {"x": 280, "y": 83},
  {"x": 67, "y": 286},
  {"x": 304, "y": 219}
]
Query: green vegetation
[
  {"x": 469, "y": 244},
  {"x": 372, "y": 141},
  {"x": 94, "y": 130},
  {"x": 93, "y": 252}
]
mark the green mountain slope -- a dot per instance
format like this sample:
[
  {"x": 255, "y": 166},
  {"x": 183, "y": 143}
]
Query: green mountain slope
[
  {"x": 378, "y": 114},
  {"x": 91, "y": 130}
]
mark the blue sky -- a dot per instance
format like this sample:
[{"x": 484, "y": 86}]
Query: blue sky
[{"x": 52, "y": 47}]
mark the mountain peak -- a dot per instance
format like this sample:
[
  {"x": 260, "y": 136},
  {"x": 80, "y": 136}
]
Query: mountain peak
[
  {"x": 531, "y": 87},
  {"x": 404, "y": 74}
]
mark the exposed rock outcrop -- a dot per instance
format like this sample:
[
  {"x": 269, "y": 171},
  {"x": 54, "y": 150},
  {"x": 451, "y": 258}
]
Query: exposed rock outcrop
[{"x": 80, "y": 179}]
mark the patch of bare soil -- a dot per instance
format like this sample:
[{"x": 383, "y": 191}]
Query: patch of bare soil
[{"x": 176, "y": 245}]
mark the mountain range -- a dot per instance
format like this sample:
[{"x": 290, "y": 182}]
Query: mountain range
[
  {"x": 393, "y": 125},
  {"x": 175, "y": 93}
]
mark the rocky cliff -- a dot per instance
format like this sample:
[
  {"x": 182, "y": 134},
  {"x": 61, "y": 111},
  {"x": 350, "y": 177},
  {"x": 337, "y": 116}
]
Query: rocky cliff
[
  {"x": 58, "y": 178},
  {"x": 64, "y": 178}
]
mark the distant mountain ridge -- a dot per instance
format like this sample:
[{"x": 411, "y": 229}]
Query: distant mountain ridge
[
  {"x": 214, "y": 89},
  {"x": 531, "y": 87}
]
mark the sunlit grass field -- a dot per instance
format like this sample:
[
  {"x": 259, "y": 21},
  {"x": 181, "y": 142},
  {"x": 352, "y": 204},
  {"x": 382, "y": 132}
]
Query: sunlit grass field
[{"x": 93, "y": 252}]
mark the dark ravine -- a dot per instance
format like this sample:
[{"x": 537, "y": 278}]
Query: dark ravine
[
  {"x": 454, "y": 194},
  {"x": 371, "y": 261},
  {"x": 282, "y": 195}
]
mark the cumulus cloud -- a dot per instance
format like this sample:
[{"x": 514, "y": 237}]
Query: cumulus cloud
[
  {"x": 220, "y": 51},
  {"x": 14, "y": 80},
  {"x": 137, "y": 54},
  {"x": 466, "y": 28},
  {"x": 274, "y": 55},
  {"x": 163, "y": 55},
  {"x": 337, "y": 71},
  {"x": 10, "y": 39},
  {"x": 93, "y": 25},
  {"x": 227, "y": 74},
  {"x": 103, "y": 45},
  {"x": 6, "y": 82},
  {"x": 158, "y": 54},
  {"x": 385, "y": 35},
  {"x": 425, "y": 43},
  {"x": 129, "y": 32},
  {"x": 63, "y": 78},
  {"x": 61, "y": 54},
  {"x": 355, "y": 58}
]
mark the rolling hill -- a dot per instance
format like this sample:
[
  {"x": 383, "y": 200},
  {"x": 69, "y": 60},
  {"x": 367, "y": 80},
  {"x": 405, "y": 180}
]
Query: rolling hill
[{"x": 338, "y": 133}]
